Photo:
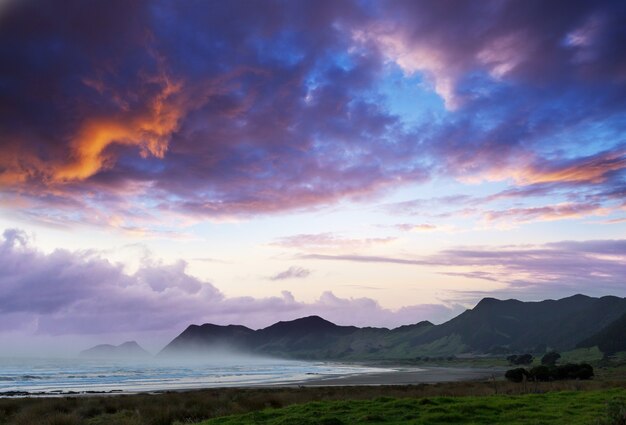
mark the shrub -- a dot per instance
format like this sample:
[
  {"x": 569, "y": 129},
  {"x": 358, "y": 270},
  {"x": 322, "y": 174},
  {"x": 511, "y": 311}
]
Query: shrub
[
  {"x": 521, "y": 359},
  {"x": 550, "y": 359},
  {"x": 516, "y": 375},
  {"x": 540, "y": 373},
  {"x": 573, "y": 371},
  {"x": 582, "y": 371}
]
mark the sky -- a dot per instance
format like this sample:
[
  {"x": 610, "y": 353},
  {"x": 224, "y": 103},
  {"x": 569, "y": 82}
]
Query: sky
[{"x": 376, "y": 163}]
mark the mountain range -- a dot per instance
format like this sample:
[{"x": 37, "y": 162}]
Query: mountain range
[{"x": 492, "y": 326}]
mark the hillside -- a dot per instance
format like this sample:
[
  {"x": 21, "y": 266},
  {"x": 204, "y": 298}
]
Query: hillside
[
  {"x": 208, "y": 337},
  {"x": 492, "y": 326},
  {"x": 611, "y": 339},
  {"x": 512, "y": 325}
]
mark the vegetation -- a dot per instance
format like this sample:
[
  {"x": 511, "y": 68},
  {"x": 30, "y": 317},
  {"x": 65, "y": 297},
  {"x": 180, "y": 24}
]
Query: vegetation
[
  {"x": 563, "y": 408},
  {"x": 195, "y": 406},
  {"x": 550, "y": 358},
  {"x": 518, "y": 374},
  {"x": 580, "y": 355},
  {"x": 524, "y": 359},
  {"x": 610, "y": 339},
  {"x": 492, "y": 327},
  {"x": 615, "y": 413},
  {"x": 543, "y": 373}
]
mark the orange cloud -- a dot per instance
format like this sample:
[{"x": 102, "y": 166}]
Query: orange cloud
[
  {"x": 546, "y": 213},
  {"x": 592, "y": 170},
  {"x": 149, "y": 131}
]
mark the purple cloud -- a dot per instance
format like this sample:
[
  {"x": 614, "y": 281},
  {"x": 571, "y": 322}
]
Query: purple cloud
[
  {"x": 81, "y": 293},
  {"x": 237, "y": 109},
  {"x": 327, "y": 240},
  {"x": 293, "y": 272},
  {"x": 421, "y": 227},
  {"x": 558, "y": 268}
]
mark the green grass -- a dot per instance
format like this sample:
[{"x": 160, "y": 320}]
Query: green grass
[
  {"x": 589, "y": 355},
  {"x": 195, "y": 406},
  {"x": 582, "y": 407}
]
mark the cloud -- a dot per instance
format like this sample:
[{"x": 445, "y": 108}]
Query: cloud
[
  {"x": 545, "y": 213},
  {"x": 557, "y": 268},
  {"x": 327, "y": 240},
  {"x": 293, "y": 272},
  {"x": 586, "y": 170},
  {"x": 80, "y": 293},
  {"x": 422, "y": 227},
  {"x": 365, "y": 259},
  {"x": 230, "y": 109}
]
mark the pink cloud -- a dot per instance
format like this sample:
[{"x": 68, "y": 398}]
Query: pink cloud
[
  {"x": 81, "y": 293},
  {"x": 552, "y": 269},
  {"x": 328, "y": 241},
  {"x": 545, "y": 213},
  {"x": 293, "y": 272}
]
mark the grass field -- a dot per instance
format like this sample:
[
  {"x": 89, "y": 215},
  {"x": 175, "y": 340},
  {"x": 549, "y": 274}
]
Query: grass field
[
  {"x": 477, "y": 402},
  {"x": 583, "y": 407},
  {"x": 466, "y": 401}
]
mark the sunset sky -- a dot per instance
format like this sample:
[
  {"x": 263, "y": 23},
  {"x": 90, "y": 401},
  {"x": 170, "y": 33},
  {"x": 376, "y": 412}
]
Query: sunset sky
[{"x": 373, "y": 162}]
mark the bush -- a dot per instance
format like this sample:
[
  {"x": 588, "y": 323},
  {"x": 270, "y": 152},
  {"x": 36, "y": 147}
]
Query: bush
[
  {"x": 540, "y": 373},
  {"x": 573, "y": 371},
  {"x": 516, "y": 375},
  {"x": 582, "y": 371},
  {"x": 522, "y": 359},
  {"x": 550, "y": 359}
]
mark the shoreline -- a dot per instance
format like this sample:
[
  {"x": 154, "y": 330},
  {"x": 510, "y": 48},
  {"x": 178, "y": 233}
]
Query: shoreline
[
  {"x": 399, "y": 375},
  {"x": 408, "y": 376}
]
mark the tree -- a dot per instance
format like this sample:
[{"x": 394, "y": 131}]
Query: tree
[
  {"x": 574, "y": 371},
  {"x": 540, "y": 373},
  {"x": 516, "y": 375},
  {"x": 520, "y": 359},
  {"x": 550, "y": 359}
]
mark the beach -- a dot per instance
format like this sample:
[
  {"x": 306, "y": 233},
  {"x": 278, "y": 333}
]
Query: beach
[
  {"x": 408, "y": 376},
  {"x": 136, "y": 380}
]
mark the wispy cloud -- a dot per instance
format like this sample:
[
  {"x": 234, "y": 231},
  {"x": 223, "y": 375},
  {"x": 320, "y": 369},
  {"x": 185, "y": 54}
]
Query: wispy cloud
[
  {"x": 328, "y": 241},
  {"x": 564, "y": 267},
  {"x": 293, "y": 272},
  {"x": 421, "y": 227},
  {"x": 545, "y": 213}
]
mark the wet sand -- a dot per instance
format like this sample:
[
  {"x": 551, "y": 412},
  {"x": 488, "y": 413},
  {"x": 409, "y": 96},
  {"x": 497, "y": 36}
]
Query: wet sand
[{"x": 406, "y": 376}]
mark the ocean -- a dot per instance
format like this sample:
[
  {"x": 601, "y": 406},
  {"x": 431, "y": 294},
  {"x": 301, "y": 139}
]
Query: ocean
[{"x": 62, "y": 376}]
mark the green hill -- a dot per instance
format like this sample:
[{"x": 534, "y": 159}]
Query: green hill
[
  {"x": 493, "y": 326},
  {"x": 611, "y": 339}
]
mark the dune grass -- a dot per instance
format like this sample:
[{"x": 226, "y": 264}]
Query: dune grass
[{"x": 583, "y": 407}]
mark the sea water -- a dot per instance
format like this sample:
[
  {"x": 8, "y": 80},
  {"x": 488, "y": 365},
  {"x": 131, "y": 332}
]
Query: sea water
[{"x": 86, "y": 375}]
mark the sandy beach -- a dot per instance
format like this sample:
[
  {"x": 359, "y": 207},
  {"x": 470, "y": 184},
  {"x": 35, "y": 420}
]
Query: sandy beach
[
  {"x": 399, "y": 375},
  {"x": 407, "y": 376}
]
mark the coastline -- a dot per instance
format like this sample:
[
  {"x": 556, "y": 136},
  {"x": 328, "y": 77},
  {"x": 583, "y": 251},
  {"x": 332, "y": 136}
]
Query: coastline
[
  {"x": 399, "y": 375},
  {"x": 407, "y": 376}
]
